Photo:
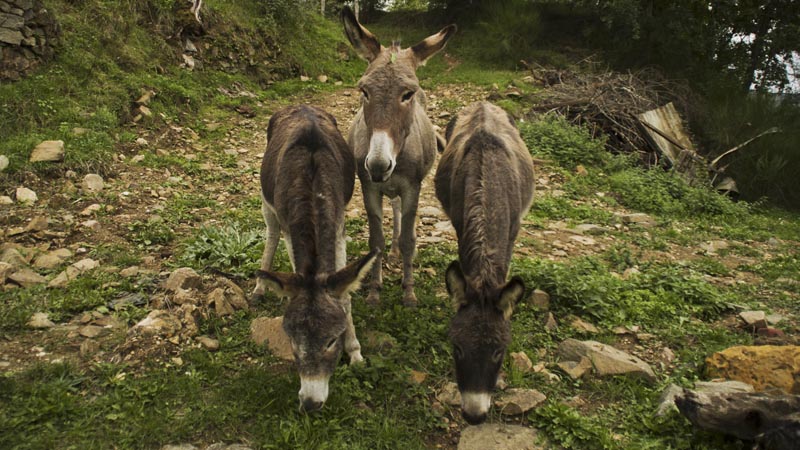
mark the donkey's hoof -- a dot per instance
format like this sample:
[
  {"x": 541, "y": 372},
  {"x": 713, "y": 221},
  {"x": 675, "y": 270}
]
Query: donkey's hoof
[
  {"x": 374, "y": 299},
  {"x": 410, "y": 300}
]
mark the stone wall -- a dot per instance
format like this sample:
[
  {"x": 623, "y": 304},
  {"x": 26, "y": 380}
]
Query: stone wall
[{"x": 28, "y": 34}]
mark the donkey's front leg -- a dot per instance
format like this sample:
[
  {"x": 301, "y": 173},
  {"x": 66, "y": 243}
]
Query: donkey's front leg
[
  {"x": 271, "y": 244},
  {"x": 408, "y": 244},
  {"x": 373, "y": 203},
  {"x": 351, "y": 344},
  {"x": 394, "y": 253}
]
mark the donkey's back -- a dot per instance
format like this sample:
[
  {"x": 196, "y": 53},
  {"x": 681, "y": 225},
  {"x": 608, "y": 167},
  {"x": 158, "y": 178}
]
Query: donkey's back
[{"x": 485, "y": 184}]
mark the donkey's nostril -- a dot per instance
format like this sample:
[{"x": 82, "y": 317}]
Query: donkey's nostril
[
  {"x": 379, "y": 170},
  {"x": 473, "y": 419},
  {"x": 309, "y": 405}
]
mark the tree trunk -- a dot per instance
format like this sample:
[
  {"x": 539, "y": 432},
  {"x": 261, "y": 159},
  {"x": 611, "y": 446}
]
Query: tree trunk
[
  {"x": 756, "y": 50},
  {"x": 322, "y": 7},
  {"x": 773, "y": 422}
]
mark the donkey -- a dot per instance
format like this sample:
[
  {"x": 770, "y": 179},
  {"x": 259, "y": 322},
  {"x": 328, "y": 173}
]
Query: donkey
[
  {"x": 485, "y": 185},
  {"x": 393, "y": 141},
  {"x": 307, "y": 179}
]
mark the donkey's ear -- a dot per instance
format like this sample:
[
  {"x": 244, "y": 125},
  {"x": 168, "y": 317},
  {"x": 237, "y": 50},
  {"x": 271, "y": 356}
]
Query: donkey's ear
[
  {"x": 432, "y": 44},
  {"x": 456, "y": 285},
  {"x": 365, "y": 43},
  {"x": 281, "y": 283},
  {"x": 511, "y": 294},
  {"x": 348, "y": 279}
]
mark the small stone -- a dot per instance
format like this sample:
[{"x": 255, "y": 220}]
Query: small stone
[
  {"x": 499, "y": 436},
  {"x": 91, "y": 224},
  {"x": 40, "y": 320},
  {"x": 142, "y": 142},
  {"x": 417, "y": 377},
  {"x": 38, "y": 223},
  {"x": 158, "y": 322},
  {"x": 6, "y": 200},
  {"x": 304, "y": 78},
  {"x": 519, "y": 401},
  {"x": 5, "y": 270},
  {"x": 129, "y": 272},
  {"x": 584, "y": 327},
  {"x": 667, "y": 354},
  {"x": 640, "y": 219},
  {"x": 581, "y": 171},
  {"x": 92, "y": 183},
  {"x": 774, "y": 319},
  {"x": 26, "y": 196},
  {"x": 3, "y": 162},
  {"x": 13, "y": 257},
  {"x": 540, "y": 299},
  {"x": 754, "y": 320},
  {"x": 550, "y": 323},
  {"x": 221, "y": 305},
  {"x": 26, "y": 278},
  {"x": 183, "y": 278},
  {"x": 521, "y": 362},
  {"x": 322, "y": 78},
  {"x": 91, "y": 209},
  {"x": 208, "y": 343},
  {"x": 51, "y": 260},
  {"x": 48, "y": 151},
  {"x": 606, "y": 360},
  {"x": 269, "y": 331},
  {"x": 91, "y": 331},
  {"x": 430, "y": 211},
  {"x": 449, "y": 394}
]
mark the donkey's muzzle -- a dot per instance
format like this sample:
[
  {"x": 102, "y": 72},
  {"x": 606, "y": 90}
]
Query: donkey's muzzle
[
  {"x": 473, "y": 419},
  {"x": 310, "y": 405},
  {"x": 379, "y": 170}
]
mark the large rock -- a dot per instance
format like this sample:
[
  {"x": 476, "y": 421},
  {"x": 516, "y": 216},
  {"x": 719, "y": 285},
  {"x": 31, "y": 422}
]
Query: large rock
[
  {"x": 515, "y": 401},
  {"x": 499, "y": 436},
  {"x": 48, "y": 151},
  {"x": 26, "y": 278},
  {"x": 269, "y": 331},
  {"x": 667, "y": 400},
  {"x": 764, "y": 366},
  {"x": 183, "y": 278},
  {"x": 606, "y": 360}
]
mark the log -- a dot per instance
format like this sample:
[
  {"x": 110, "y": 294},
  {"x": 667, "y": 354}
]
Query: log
[{"x": 771, "y": 421}]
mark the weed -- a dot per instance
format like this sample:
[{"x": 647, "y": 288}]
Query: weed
[{"x": 228, "y": 248}]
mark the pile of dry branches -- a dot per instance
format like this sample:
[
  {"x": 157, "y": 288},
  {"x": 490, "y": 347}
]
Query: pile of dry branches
[{"x": 608, "y": 102}]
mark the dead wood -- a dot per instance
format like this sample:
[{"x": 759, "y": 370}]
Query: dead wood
[{"x": 772, "y": 422}]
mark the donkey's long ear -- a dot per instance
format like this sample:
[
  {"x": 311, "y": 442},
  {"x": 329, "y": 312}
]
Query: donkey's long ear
[
  {"x": 281, "y": 283},
  {"x": 365, "y": 43},
  {"x": 348, "y": 279},
  {"x": 456, "y": 285},
  {"x": 511, "y": 294},
  {"x": 432, "y": 44}
]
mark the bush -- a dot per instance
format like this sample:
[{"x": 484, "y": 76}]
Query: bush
[
  {"x": 567, "y": 144},
  {"x": 228, "y": 248}
]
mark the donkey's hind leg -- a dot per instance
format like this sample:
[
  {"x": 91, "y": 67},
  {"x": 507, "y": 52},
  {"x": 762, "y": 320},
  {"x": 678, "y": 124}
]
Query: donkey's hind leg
[
  {"x": 271, "y": 244},
  {"x": 351, "y": 344}
]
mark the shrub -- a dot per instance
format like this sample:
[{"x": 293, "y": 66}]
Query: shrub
[{"x": 567, "y": 144}]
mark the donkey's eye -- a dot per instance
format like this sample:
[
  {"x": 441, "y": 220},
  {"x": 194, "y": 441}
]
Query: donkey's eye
[
  {"x": 365, "y": 94},
  {"x": 407, "y": 96},
  {"x": 498, "y": 355},
  {"x": 457, "y": 352},
  {"x": 331, "y": 343}
]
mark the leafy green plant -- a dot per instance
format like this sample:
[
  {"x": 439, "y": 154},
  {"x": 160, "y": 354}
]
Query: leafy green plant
[
  {"x": 567, "y": 144},
  {"x": 228, "y": 248}
]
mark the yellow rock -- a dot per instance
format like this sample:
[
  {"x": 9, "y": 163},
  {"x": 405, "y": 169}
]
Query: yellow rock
[{"x": 764, "y": 366}]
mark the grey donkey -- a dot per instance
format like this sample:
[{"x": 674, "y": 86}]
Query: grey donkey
[
  {"x": 485, "y": 185},
  {"x": 307, "y": 179},
  {"x": 393, "y": 140}
]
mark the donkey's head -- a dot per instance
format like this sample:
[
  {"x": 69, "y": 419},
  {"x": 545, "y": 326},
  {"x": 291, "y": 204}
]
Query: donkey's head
[
  {"x": 480, "y": 332},
  {"x": 315, "y": 322},
  {"x": 389, "y": 90}
]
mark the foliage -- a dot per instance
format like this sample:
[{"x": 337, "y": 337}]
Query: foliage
[
  {"x": 228, "y": 248},
  {"x": 568, "y": 145}
]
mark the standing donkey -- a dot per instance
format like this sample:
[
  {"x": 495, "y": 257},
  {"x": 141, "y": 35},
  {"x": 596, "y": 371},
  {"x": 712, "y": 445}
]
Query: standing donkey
[
  {"x": 393, "y": 140},
  {"x": 485, "y": 184},
  {"x": 307, "y": 179}
]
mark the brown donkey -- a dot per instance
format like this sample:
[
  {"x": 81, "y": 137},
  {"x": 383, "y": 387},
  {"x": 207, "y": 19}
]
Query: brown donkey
[
  {"x": 393, "y": 140},
  {"x": 307, "y": 179},
  {"x": 485, "y": 184}
]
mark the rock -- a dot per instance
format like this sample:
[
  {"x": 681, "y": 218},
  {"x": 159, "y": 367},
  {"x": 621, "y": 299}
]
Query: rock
[
  {"x": 40, "y": 320},
  {"x": 754, "y": 320},
  {"x": 51, "y": 260},
  {"x": 142, "y": 142},
  {"x": 179, "y": 447},
  {"x": 6, "y": 200},
  {"x": 641, "y": 219},
  {"x": 576, "y": 369},
  {"x": 521, "y": 362},
  {"x": 774, "y": 319},
  {"x": 13, "y": 257},
  {"x": 417, "y": 377},
  {"x": 667, "y": 400},
  {"x": 129, "y": 272},
  {"x": 92, "y": 183},
  {"x": 449, "y": 394},
  {"x": 764, "y": 367},
  {"x": 26, "y": 278},
  {"x": 48, "y": 151},
  {"x": 224, "y": 446},
  {"x": 585, "y": 240},
  {"x": 550, "y": 323},
  {"x": 132, "y": 298},
  {"x": 712, "y": 247},
  {"x": 183, "y": 278},
  {"x": 208, "y": 343},
  {"x": 26, "y": 196},
  {"x": 540, "y": 299},
  {"x": 519, "y": 401},
  {"x": 667, "y": 354},
  {"x": 85, "y": 265},
  {"x": 5, "y": 271},
  {"x": 91, "y": 331},
  {"x": 72, "y": 272},
  {"x": 235, "y": 295},
  {"x": 89, "y": 347},
  {"x": 38, "y": 223},
  {"x": 430, "y": 211},
  {"x": 3, "y": 162},
  {"x": 606, "y": 360},
  {"x": 584, "y": 327},
  {"x": 590, "y": 228},
  {"x": 322, "y": 78},
  {"x": 269, "y": 331},
  {"x": 221, "y": 305},
  {"x": 158, "y": 323},
  {"x": 499, "y": 436}
]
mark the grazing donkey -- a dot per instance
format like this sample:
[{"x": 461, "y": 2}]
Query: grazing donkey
[
  {"x": 485, "y": 184},
  {"x": 307, "y": 179},
  {"x": 393, "y": 140}
]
